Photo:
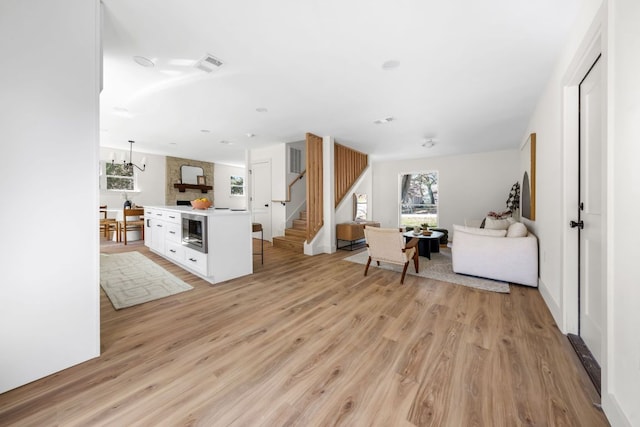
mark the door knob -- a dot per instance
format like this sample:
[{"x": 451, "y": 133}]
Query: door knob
[
  {"x": 266, "y": 205},
  {"x": 579, "y": 224}
]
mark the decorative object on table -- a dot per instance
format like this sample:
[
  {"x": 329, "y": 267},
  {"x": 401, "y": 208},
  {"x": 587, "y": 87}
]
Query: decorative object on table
[
  {"x": 528, "y": 189},
  {"x": 129, "y": 164},
  {"x": 127, "y": 202},
  {"x": 439, "y": 268},
  {"x": 513, "y": 201},
  {"x": 202, "y": 180},
  {"x": 426, "y": 232},
  {"x": 201, "y": 203},
  {"x": 131, "y": 278}
]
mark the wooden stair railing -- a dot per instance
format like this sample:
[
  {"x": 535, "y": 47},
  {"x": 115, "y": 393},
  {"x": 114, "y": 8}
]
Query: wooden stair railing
[
  {"x": 314, "y": 162},
  {"x": 296, "y": 179},
  {"x": 348, "y": 166}
]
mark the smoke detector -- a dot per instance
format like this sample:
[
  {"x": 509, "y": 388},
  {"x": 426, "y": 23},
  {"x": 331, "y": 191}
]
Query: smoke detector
[{"x": 208, "y": 64}]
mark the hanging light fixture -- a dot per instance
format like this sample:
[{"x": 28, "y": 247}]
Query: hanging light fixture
[{"x": 130, "y": 164}]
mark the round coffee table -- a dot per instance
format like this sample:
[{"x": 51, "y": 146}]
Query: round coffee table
[{"x": 426, "y": 244}]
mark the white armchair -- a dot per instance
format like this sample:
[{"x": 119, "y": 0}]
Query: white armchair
[
  {"x": 388, "y": 245},
  {"x": 488, "y": 253}
]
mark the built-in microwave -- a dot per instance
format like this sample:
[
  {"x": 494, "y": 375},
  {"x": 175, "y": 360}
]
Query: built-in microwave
[{"x": 194, "y": 232}]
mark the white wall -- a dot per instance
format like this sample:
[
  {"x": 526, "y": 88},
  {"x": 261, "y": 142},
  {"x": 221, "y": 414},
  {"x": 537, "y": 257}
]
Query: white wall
[
  {"x": 623, "y": 293},
  {"x": 469, "y": 186},
  {"x": 222, "y": 197},
  {"x": 49, "y": 292},
  {"x": 151, "y": 183},
  {"x": 614, "y": 32},
  {"x": 364, "y": 184}
]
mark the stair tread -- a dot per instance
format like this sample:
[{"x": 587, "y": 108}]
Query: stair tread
[{"x": 291, "y": 238}]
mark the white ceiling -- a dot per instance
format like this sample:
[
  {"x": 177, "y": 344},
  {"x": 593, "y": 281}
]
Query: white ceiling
[{"x": 469, "y": 74}]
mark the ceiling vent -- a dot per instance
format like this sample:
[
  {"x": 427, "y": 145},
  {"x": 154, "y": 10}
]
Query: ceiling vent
[{"x": 208, "y": 64}]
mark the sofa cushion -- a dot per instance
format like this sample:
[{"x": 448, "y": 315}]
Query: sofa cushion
[
  {"x": 480, "y": 231},
  {"x": 517, "y": 229},
  {"x": 498, "y": 224}
]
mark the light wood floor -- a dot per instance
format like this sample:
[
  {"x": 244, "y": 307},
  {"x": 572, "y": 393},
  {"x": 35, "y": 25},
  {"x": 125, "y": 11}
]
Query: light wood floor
[{"x": 309, "y": 341}]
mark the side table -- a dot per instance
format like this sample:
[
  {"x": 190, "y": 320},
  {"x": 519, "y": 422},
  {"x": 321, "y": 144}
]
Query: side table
[{"x": 352, "y": 232}]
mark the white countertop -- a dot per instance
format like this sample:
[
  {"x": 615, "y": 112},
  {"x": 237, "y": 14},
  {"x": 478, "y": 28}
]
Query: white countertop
[{"x": 206, "y": 212}]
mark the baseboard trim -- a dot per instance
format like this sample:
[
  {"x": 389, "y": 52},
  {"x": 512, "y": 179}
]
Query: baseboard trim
[
  {"x": 614, "y": 412},
  {"x": 552, "y": 305}
]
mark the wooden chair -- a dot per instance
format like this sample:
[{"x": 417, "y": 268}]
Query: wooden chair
[
  {"x": 129, "y": 224},
  {"x": 388, "y": 245},
  {"x": 106, "y": 224},
  {"x": 257, "y": 227}
]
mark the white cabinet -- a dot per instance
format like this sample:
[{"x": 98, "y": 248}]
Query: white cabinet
[
  {"x": 175, "y": 251},
  {"x": 228, "y": 234},
  {"x": 161, "y": 226},
  {"x": 158, "y": 228},
  {"x": 196, "y": 261}
]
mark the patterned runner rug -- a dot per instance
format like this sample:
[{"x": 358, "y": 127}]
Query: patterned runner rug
[
  {"x": 439, "y": 268},
  {"x": 131, "y": 278}
]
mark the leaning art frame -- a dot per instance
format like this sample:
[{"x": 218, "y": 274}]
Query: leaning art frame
[{"x": 528, "y": 171}]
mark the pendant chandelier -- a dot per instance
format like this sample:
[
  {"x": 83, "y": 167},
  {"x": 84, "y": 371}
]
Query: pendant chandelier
[{"x": 130, "y": 163}]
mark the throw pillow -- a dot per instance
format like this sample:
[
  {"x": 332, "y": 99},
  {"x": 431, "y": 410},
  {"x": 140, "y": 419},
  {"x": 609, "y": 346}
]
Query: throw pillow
[
  {"x": 498, "y": 224},
  {"x": 480, "y": 231},
  {"x": 517, "y": 229}
]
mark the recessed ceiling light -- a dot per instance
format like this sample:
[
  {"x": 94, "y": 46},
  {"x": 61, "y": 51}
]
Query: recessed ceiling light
[
  {"x": 173, "y": 143},
  {"x": 205, "y": 131},
  {"x": 383, "y": 121},
  {"x": 226, "y": 142},
  {"x": 250, "y": 135},
  {"x": 390, "y": 65},
  {"x": 145, "y": 62},
  {"x": 261, "y": 110}
]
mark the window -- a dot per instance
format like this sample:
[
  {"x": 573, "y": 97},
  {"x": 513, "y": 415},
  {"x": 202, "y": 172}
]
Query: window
[
  {"x": 419, "y": 199},
  {"x": 237, "y": 186},
  {"x": 119, "y": 177}
]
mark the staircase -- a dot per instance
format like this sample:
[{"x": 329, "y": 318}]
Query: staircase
[{"x": 294, "y": 237}]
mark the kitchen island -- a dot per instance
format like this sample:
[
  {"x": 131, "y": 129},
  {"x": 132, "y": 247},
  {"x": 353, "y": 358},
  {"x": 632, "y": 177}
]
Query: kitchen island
[{"x": 214, "y": 244}]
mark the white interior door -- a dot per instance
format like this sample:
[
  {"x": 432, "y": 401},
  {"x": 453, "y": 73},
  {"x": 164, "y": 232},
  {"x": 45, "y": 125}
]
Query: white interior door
[
  {"x": 591, "y": 211},
  {"x": 261, "y": 196}
]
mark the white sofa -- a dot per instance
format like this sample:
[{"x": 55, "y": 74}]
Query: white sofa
[{"x": 489, "y": 253}]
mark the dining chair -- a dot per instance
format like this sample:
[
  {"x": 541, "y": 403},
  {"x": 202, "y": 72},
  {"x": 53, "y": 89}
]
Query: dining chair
[
  {"x": 106, "y": 224},
  {"x": 132, "y": 219},
  {"x": 388, "y": 245}
]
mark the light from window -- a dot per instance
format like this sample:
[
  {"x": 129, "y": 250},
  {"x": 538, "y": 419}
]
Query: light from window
[
  {"x": 119, "y": 177},
  {"x": 237, "y": 186},
  {"x": 419, "y": 199}
]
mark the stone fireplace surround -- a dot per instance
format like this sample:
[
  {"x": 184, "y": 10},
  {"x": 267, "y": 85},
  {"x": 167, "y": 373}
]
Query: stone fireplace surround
[{"x": 172, "y": 195}]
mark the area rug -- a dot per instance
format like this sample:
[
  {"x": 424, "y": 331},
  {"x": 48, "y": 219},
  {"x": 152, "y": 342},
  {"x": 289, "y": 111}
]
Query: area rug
[
  {"x": 131, "y": 278},
  {"x": 439, "y": 268}
]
